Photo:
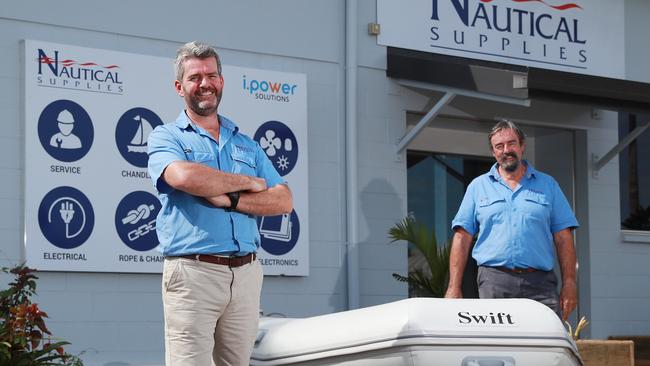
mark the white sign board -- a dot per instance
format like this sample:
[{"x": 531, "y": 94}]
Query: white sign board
[
  {"x": 89, "y": 202},
  {"x": 271, "y": 107},
  {"x": 584, "y": 37}
]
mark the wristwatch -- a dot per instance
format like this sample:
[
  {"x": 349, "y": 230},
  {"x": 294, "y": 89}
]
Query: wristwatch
[{"x": 234, "y": 200}]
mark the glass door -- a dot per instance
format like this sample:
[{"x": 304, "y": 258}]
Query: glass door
[{"x": 436, "y": 185}]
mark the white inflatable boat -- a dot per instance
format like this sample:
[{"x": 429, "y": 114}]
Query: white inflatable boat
[{"x": 421, "y": 331}]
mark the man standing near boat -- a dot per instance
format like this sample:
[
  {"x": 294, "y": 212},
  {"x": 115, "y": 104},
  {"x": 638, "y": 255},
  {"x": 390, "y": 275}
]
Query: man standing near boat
[
  {"x": 521, "y": 219},
  {"x": 212, "y": 180}
]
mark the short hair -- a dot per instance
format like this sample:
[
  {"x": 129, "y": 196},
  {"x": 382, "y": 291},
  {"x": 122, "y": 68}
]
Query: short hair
[
  {"x": 194, "y": 49},
  {"x": 505, "y": 124}
]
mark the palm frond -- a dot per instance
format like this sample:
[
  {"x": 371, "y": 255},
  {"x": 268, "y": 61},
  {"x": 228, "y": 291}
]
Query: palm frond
[{"x": 433, "y": 283}]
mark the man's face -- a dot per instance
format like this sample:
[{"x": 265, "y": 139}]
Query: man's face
[
  {"x": 201, "y": 86},
  {"x": 507, "y": 150}
]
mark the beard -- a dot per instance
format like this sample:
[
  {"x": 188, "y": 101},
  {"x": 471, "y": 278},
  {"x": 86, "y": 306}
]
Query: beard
[
  {"x": 203, "y": 107},
  {"x": 509, "y": 165}
]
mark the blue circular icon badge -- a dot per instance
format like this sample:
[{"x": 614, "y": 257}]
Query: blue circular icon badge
[
  {"x": 279, "y": 234},
  {"x": 131, "y": 134},
  {"x": 65, "y": 130},
  {"x": 280, "y": 145},
  {"x": 135, "y": 220},
  {"x": 66, "y": 217}
]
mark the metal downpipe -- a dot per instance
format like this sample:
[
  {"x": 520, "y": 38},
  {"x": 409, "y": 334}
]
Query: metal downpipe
[{"x": 351, "y": 156}]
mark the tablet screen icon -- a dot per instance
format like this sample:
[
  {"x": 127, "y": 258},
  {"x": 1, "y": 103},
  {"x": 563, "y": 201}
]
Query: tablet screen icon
[
  {"x": 276, "y": 227},
  {"x": 279, "y": 234}
]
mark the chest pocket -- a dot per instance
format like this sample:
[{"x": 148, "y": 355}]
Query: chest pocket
[
  {"x": 198, "y": 156},
  {"x": 490, "y": 210},
  {"x": 243, "y": 162},
  {"x": 537, "y": 206}
]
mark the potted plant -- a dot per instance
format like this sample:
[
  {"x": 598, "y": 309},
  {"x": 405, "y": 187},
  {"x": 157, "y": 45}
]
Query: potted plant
[
  {"x": 600, "y": 352},
  {"x": 432, "y": 280}
]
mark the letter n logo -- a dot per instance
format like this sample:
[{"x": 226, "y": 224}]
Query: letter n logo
[
  {"x": 461, "y": 9},
  {"x": 52, "y": 64}
]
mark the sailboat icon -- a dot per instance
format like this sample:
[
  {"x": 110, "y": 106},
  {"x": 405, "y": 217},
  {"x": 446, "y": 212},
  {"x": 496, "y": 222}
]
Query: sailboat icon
[{"x": 139, "y": 141}]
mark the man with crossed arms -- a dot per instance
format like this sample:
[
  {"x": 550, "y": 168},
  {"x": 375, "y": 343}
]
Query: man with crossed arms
[{"x": 212, "y": 181}]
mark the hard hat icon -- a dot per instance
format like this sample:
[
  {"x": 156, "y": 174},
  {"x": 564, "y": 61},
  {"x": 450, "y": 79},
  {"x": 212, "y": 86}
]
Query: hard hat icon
[{"x": 65, "y": 117}]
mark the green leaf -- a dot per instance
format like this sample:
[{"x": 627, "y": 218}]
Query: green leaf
[
  {"x": 22, "y": 344},
  {"x": 432, "y": 283}
]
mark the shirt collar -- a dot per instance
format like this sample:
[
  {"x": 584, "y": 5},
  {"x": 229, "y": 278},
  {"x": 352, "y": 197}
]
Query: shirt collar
[
  {"x": 184, "y": 122},
  {"x": 530, "y": 171}
]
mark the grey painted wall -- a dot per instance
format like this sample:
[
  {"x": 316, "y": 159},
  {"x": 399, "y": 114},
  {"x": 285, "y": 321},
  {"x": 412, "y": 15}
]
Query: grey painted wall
[
  {"x": 637, "y": 54},
  {"x": 620, "y": 274}
]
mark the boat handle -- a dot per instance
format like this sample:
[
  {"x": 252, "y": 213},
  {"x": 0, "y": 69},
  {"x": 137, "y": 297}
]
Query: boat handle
[{"x": 488, "y": 361}]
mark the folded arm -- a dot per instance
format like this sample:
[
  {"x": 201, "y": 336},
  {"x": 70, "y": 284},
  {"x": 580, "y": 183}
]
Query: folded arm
[
  {"x": 201, "y": 180},
  {"x": 276, "y": 200}
]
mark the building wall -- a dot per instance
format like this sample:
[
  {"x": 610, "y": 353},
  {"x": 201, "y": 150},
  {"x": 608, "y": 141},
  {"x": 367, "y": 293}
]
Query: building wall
[
  {"x": 118, "y": 317},
  {"x": 381, "y": 122},
  {"x": 637, "y": 54},
  {"x": 620, "y": 276}
]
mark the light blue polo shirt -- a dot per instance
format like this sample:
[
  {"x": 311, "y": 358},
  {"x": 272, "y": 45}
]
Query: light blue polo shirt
[
  {"x": 188, "y": 224},
  {"x": 515, "y": 227}
]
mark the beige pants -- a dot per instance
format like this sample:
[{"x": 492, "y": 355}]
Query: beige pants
[{"x": 211, "y": 312}]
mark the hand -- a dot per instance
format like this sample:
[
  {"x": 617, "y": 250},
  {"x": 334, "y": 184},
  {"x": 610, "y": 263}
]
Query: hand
[
  {"x": 568, "y": 299},
  {"x": 220, "y": 201},
  {"x": 453, "y": 293},
  {"x": 257, "y": 185}
]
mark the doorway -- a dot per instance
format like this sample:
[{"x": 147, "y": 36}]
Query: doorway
[{"x": 436, "y": 183}]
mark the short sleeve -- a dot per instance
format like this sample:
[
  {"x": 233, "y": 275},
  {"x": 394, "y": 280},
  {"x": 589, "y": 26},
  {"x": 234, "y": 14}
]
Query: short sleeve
[
  {"x": 265, "y": 168},
  {"x": 163, "y": 149},
  {"x": 466, "y": 215},
  {"x": 562, "y": 215}
]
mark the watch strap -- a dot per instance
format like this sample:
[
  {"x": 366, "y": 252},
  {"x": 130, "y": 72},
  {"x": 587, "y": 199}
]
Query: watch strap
[{"x": 234, "y": 200}]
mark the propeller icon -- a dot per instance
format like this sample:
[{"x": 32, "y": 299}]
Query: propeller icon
[{"x": 270, "y": 143}]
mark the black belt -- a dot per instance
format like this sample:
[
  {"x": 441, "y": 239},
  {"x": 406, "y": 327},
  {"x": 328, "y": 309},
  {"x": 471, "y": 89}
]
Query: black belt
[
  {"x": 225, "y": 261},
  {"x": 517, "y": 270}
]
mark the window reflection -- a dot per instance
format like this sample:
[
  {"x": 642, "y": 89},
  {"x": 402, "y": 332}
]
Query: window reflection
[
  {"x": 634, "y": 165},
  {"x": 436, "y": 185}
]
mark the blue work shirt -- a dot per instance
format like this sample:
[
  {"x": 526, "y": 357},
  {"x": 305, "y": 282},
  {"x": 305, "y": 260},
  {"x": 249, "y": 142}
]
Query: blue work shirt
[
  {"x": 515, "y": 227},
  {"x": 188, "y": 224}
]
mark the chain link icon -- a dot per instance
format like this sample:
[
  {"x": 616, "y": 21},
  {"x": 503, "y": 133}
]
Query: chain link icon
[{"x": 142, "y": 230}]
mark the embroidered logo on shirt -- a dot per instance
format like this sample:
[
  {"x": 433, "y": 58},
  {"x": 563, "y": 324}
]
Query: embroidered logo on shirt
[{"x": 245, "y": 149}]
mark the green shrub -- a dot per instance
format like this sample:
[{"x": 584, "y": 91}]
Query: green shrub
[{"x": 24, "y": 338}]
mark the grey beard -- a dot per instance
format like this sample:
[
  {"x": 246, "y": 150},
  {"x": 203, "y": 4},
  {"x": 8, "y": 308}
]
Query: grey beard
[{"x": 512, "y": 167}]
